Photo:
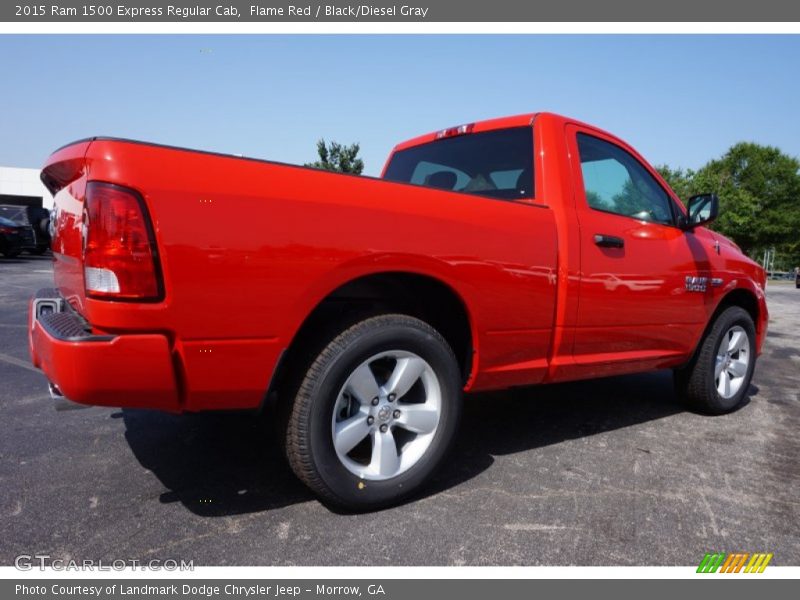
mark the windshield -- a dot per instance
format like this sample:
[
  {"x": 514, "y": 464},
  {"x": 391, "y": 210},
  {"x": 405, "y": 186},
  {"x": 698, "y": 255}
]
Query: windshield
[
  {"x": 7, "y": 222},
  {"x": 498, "y": 164},
  {"x": 18, "y": 214}
]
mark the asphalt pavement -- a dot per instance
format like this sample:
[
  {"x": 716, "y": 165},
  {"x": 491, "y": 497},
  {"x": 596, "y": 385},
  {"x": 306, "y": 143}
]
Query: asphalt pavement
[{"x": 604, "y": 472}]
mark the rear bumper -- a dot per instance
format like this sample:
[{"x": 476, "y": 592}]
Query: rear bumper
[{"x": 131, "y": 370}]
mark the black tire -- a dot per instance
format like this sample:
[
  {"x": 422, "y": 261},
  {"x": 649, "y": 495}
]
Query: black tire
[
  {"x": 695, "y": 384},
  {"x": 309, "y": 436},
  {"x": 12, "y": 253}
]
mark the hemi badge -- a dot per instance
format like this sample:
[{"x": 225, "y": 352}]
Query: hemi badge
[{"x": 716, "y": 281}]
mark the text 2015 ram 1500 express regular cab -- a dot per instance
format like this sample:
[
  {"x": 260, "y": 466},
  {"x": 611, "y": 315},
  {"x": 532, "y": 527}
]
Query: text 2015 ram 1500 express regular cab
[{"x": 517, "y": 251}]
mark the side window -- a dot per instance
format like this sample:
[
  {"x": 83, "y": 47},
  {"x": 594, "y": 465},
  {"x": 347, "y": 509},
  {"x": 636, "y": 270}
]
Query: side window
[{"x": 616, "y": 182}]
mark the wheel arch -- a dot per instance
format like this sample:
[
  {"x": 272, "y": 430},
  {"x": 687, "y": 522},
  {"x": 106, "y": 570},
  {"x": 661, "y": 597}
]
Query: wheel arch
[
  {"x": 745, "y": 298},
  {"x": 427, "y": 297}
]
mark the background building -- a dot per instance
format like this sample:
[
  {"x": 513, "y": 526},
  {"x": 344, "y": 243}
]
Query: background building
[{"x": 23, "y": 187}]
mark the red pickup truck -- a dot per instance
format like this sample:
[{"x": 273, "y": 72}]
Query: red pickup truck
[{"x": 525, "y": 250}]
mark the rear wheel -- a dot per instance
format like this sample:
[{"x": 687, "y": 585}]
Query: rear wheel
[
  {"x": 375, "y": 413},
  {"x": 717, "y": 379}
]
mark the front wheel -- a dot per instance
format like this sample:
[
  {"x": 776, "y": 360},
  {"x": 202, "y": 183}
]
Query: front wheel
[
  {"x": 376, "y": 413},
  {"x": 717, "y": 379}
]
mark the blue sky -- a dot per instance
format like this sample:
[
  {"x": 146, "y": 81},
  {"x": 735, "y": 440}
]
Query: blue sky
[{"x": 678, "y": 99}]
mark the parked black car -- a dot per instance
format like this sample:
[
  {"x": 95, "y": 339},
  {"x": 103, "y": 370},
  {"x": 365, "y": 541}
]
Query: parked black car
[
  {"x": 39, "y": 219},
  {"x": 797, "y": 279},
  {"x": 36, "y": 237},
  {"x": 11, "y": 237}
]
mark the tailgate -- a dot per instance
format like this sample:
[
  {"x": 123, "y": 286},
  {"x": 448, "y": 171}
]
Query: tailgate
[{"x": 65, "y": 175}]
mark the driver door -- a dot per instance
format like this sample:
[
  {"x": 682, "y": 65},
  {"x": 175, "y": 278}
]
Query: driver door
[{"x": 634, "y": 305}]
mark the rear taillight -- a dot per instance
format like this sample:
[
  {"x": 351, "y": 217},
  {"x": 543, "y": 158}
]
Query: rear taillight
[
  {"x": 7, "y": 230},
  {"x": 119, "y": 251}
]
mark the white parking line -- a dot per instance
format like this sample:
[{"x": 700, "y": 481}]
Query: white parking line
[{"x": 17, "y": 362}]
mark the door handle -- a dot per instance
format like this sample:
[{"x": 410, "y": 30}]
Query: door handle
[{"x": 608, "y": 241}]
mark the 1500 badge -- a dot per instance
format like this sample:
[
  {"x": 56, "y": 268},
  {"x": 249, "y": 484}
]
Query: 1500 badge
[
  {"x": 696, "y": 284},
  {"x": 700, "y": 284}
]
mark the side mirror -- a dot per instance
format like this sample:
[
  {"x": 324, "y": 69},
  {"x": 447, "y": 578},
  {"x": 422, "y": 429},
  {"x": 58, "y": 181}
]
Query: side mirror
[{"x": 701, "y": 209}]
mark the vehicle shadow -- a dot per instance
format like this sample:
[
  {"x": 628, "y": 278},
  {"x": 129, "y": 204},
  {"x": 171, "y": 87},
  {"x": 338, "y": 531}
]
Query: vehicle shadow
[
  {"x": 523, "y": 419},
  {"x": 215, "y": 463},
  {"x": 219, "y": 464}
]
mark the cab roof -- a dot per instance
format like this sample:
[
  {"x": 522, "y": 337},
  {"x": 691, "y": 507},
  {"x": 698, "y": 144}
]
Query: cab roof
[
  {"x": 522, "y": 120},
  {"x": 476, "y": 127}
]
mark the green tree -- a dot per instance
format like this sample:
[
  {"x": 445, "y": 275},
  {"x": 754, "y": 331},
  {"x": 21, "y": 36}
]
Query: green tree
[
  {"x": 759, "y": 191},
  {"x": 339, "y": 158},
  {"x": 679, "y": 180}
]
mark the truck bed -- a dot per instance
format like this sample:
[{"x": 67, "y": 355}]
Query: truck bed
[{"x": 248, "y": 248}]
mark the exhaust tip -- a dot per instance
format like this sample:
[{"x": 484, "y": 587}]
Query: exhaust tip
[{"x": 62, "y": 403}]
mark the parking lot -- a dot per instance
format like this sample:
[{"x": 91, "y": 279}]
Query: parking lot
[{"x": 607, "y": 472}]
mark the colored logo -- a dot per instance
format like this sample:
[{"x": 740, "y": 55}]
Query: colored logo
[{"x": 734, "y": 562}]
